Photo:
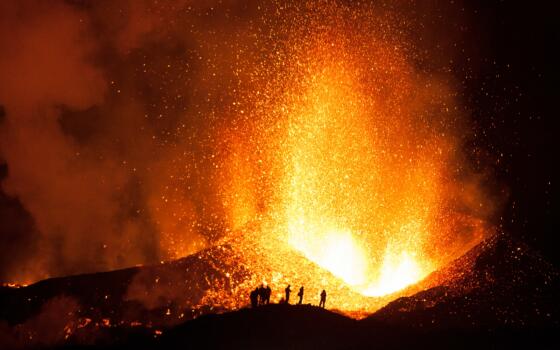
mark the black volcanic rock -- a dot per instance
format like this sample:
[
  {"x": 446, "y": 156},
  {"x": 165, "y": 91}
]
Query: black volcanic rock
[
  {"x": 309, "y": 327},
  {"x": 274, "y": 326}
]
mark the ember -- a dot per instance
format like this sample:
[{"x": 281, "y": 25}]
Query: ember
[
  {"x": 276, "y": 174},
  {"x": 353, "y": 163},
  {"x": 331, "y": 159}
]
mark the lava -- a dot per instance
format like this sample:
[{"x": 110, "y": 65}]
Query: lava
[
  {"x": 350, "y": 158},
  {"x": 335, "y": 160}
]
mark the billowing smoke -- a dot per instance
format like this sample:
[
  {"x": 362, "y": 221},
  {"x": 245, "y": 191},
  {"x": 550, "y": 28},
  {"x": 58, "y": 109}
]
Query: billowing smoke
[
  {"x": 47, "y": 68},
  {"x": 110, "y": 131},
  {"x": 106, "y": 114}
]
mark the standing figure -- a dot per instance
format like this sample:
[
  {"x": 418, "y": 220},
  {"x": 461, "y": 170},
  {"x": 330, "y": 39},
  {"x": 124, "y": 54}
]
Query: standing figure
[
  {"x": 254, "y": 296},
  {"x": 261, "y": 292},
  {"x": 323, "y": 299},
  {"x": 300, "y": 295},
  {"x": 267, "y": 292},
  {"x": 288, "y": 291}
]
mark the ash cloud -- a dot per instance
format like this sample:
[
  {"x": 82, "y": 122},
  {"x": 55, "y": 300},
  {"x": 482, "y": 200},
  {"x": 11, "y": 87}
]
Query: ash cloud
[
  {"x": 94, "y": 96},
  {"x": 45, "y": 66}
]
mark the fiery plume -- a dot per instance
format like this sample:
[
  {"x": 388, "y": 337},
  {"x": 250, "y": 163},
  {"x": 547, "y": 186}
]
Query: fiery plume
[{"x": 321, "y": 142}]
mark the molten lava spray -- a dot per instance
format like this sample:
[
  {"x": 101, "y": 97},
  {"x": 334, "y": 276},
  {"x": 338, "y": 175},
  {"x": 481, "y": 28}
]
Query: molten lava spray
[
  {"x": 356, "y": 152},
  {"x": 316, "y": 143},
  {"x": 353, "y": 198}
]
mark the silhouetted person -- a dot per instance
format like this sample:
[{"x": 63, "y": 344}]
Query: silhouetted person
[
  {"x": 323, "y": 299},
  {"x": 267, "y": 293},
  {"x": 300, "y": 295},
  {"x": 261, "y": 293},
  {"x": 288, "y": 291},
  {"x": 254, "y": 296}
]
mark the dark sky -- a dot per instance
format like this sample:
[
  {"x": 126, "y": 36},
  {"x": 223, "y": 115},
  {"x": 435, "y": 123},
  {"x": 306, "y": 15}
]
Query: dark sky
[
  {"x": 507, "y": 71},
  {"x": 515, "y": 101}
]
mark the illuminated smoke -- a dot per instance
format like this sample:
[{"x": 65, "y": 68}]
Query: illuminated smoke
[
  {"x": 317, "y": 137},
  {"x": 107, "y": 134}
]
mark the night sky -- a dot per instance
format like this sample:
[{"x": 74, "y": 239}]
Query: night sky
[
  {"x": 513, "y": 96},
  {"x": 130, "y": 93}
]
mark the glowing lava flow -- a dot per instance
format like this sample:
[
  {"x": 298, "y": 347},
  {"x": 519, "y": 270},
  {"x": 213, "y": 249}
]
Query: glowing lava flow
[
  {"x": 337, "y": 252},
  {"x": 397, "y": 271}
]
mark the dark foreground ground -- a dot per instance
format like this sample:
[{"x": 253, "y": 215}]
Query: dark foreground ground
[
  {"x": 308, "y": 327},
  {"x": 499, "y": 295}
]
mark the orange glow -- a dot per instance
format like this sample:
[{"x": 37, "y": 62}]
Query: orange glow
[
  {"x": 338, "y": 252},
  {"x": 334, "y": 178},
  {"x": 345, "y": 178},
  {"x": 333, "y": 161},
  {"x": 397, "y": 271}
]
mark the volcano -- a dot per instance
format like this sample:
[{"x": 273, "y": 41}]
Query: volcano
[{"x": 499, "y": 284}]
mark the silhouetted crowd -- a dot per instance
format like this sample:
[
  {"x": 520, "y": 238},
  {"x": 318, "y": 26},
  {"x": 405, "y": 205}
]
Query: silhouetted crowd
[{"x": 261, "y": 296}]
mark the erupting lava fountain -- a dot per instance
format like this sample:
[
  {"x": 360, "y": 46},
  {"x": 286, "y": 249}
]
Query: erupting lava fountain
[{"x": 347, "y": 152}]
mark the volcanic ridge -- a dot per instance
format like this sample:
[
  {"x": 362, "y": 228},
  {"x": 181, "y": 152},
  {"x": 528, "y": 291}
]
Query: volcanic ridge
[{"x": 500, "y": 294}]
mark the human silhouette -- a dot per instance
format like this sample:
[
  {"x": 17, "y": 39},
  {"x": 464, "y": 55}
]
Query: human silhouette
[
  {"x": 267, "y": 292},
  {"x": 300, "y": 295},
  {"x": 254, "y": 296},
  {"x": 288, "y": 291},
  {"x": 323, "y": 299},
  {"x": 262, "y": 294}
]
